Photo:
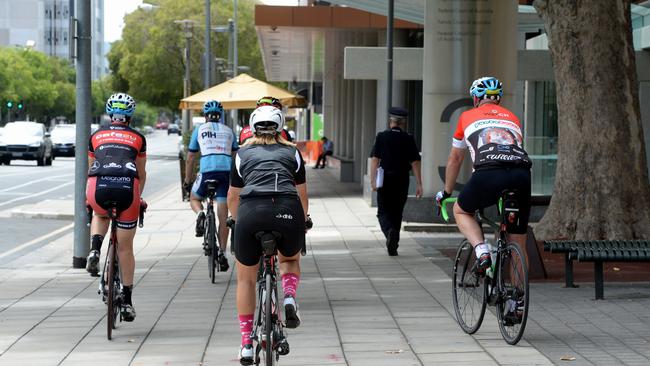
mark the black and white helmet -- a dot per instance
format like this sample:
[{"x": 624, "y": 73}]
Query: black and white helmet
[{"x": 266, "y": 120}]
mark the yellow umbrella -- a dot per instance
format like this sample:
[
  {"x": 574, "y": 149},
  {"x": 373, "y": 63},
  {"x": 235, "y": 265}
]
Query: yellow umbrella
[{"x": 241, "y": 92}]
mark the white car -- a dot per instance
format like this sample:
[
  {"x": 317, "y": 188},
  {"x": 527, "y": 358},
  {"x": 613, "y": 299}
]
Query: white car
[
  {"x": 26, "y": 141},
  {"x": 63, "y": 139}
]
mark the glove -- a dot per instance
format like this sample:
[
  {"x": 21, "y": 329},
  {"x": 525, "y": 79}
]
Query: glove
[
  {"x": 230, "y": 222},
  {"x": 143, "y": 204},
  {"x": 187, "y": 186},
  {"x": 308, "y": 223},
  {"x": 440, "y": 196}
]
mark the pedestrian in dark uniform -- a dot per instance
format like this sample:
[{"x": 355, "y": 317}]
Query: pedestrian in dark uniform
[{"x": 393, "y": 155}]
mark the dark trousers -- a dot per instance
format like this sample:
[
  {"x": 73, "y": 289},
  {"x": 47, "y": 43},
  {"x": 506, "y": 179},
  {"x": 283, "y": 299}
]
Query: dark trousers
[
  {"x": 391, "y": 199},
  {"x": 323, "y": 157}
]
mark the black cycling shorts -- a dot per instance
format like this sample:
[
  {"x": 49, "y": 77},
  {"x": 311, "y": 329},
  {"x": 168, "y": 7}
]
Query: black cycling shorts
[
  {"x": 283, "y": 214},
  {"x": 485, "y": 187}
]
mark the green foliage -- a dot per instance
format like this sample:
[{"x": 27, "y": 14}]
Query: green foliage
[
  {"x": 148, "y": 61},
  {"x": 45, "y": 84},
  {"x": 145, "y": 115}
]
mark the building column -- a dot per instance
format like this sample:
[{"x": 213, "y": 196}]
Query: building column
[
  {"x": 459, "y": 46},
  {"x": 349, "y": 119},
  {"x": 359, "y": 154}
]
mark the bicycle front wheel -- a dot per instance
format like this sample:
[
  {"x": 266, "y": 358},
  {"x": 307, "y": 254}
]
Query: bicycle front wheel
[
  {"x": 512, "y": 307},
  {"x": 268, "y": 322},
  {"x": 468, "y": 289}
]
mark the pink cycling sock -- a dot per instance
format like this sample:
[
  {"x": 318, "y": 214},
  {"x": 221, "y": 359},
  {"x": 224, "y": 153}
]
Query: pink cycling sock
[
  {"x": 290, "y": 284},
  {"x": 245, "y": 327}
]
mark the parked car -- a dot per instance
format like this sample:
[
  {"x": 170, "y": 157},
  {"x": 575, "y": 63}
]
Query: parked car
[
  {"x": 63, "y": 140},
  {"x": 26, "y": 141},
  {"x": 1, "y": 130},
  {"x": 173, "y": 128},
  {"x": 94, "y": 127},
  {"x": 162, "y": 125},
  {"x": 148, "y": 130}
]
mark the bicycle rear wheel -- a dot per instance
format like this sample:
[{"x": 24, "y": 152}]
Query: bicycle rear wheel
[
  {"x": 211, "y": 240},
  {"x": 112, "y": 306},
  {"x": 269, "y": 357},
  {"x": 512, "y": 307},
  {"x": 468, "y": 289}
]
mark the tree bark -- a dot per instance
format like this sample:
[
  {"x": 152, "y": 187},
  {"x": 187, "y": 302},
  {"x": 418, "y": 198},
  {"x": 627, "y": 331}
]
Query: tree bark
[{"x": 601, "y": 183}]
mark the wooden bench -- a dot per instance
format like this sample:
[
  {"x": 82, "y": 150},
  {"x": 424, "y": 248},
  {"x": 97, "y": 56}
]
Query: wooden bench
[{"x": 598, "y": 251}]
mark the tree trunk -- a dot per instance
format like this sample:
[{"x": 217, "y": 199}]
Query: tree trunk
[{"x": 601, "y": 184}]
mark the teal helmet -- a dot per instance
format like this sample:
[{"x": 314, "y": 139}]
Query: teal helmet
[{"x": 487, "y": 87}]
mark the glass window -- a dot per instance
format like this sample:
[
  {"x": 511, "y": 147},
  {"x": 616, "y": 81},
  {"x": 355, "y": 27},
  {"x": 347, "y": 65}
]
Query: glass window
[{"x": 541, "y": 137}]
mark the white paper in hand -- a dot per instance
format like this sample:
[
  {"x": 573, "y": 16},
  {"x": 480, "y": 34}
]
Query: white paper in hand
[{"x": 379, "y": 182}]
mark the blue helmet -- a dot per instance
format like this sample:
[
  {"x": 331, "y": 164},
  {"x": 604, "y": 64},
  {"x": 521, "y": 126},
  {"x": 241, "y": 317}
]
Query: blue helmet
[
  {"x": 120, "y": 103},
  {"x": 212, "y": 107},
  {"x": 487, "y": 87}
]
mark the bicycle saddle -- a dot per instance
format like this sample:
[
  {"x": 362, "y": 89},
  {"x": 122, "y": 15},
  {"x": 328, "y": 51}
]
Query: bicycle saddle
[
  {"x": 211, "y": 185},
  {"x": 268, "y": 239}
]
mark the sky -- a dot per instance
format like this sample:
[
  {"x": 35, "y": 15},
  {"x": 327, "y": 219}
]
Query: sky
[{"x": 114, "y": 11}]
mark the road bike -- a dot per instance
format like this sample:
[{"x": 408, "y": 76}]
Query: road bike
[
  {"x": 210, "y": 243},
  {"x": 110, "y": 283},
  {"x": 504, "y": 285},
  {"x": 268, "y": 328}
]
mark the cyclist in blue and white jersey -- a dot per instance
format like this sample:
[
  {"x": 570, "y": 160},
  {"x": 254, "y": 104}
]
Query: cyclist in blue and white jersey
[{"x": 216, "y": 143}]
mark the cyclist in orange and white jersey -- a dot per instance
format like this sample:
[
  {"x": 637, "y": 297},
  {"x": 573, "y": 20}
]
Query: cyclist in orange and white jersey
[{"x": 493, "y": 136}]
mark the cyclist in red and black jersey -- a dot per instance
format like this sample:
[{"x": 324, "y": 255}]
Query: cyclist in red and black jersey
[{"x": 116, "y": 175}]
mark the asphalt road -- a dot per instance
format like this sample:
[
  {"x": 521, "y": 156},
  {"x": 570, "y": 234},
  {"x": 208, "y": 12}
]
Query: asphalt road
[{"x": 23, "y": 182}]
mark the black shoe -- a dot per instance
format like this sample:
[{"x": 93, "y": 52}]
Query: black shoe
[
  {"x": 291, "y": 313},
  {"x": 200, "y": 224},
  {"x": 514, "y": 313},
  {"x": 246, "y": 354},
  {"x": 92, "y": 263},
  {"x": 483, "y": 262},
  {"x": 127, "y": 312},
  {"x": 392, "y": 240},
  {"x": 223, "y": 263}
]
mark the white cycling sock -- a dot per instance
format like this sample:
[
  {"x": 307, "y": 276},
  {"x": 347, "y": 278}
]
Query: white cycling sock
[{"x": 481, "y": 249}]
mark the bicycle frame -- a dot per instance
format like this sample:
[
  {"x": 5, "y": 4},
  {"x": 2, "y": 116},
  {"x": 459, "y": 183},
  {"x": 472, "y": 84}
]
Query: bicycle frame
[{"x": 268, "y": 331}]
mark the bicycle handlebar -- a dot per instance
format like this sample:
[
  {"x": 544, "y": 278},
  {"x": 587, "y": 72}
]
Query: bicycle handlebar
[
  {"x": 143, "y": 209},
  {"x": 443, "y": 207}
]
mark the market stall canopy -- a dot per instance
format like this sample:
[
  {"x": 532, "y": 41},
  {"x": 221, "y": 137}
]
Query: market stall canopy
[{"x": 241, "y": 92}]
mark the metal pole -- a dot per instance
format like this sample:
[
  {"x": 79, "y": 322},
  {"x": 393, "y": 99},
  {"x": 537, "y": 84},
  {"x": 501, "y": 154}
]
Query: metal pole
[
  {"x": 82, "y": 118},
  {"x": 187, "y": 30},
  {"x": 208, "y": 53},
  {"x": 234, "y": 58},
  {"x": 389, "y": 55}
]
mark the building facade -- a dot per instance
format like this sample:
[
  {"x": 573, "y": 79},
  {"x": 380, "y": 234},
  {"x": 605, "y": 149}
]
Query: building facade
[{"x": 44, "y": 25}]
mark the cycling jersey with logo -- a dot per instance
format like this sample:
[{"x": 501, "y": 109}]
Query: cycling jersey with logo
[
  {"x": 268, "y": 170},
  {"x": 115, "y": 149},
  {"x": 493, "y": 136},
  {"x": 216, "y": 142}
]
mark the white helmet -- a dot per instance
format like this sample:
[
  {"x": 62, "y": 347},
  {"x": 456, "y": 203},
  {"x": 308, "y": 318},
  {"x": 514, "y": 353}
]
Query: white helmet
[{"x": 266, "y": 120}]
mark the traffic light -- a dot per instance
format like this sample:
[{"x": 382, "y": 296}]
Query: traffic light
[
  {"x": 20, "y": 105},
  {"x": 10, "y": 104}
]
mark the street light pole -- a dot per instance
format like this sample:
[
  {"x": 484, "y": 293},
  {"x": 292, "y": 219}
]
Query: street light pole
[
  {"x": 207, "y": 82},
  {"x": 234, "y": 58},
  {"x": 389, "y": 55},
  {"x": 188, "y": 26},
  {"x": 82, "y": 118}
]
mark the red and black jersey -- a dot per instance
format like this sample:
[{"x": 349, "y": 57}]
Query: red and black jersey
[{"x": 115, "y": 149}]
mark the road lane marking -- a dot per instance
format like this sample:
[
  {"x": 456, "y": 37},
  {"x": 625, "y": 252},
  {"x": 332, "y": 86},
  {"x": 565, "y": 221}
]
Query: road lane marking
[
  {"x": 36, "y": 181},
  {"x": 35, "y": 241},
  {"x": 36, "y": 194}
]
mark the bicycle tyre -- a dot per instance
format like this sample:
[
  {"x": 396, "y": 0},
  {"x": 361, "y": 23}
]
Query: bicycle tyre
[
  {"x": 110, "y": 303},
  {"x": 211, "y": 239},
  {"x": 512, "y": 333},
  {"x": 268, "y": 322},
  {"x": 475, "y": 297}
]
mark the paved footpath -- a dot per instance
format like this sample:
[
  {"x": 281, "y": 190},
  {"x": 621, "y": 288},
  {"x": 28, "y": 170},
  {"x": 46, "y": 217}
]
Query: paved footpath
[{"x": 359, "y": 306}]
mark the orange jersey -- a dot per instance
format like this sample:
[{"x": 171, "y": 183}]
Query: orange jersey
[{"x": 493, "y": 135}]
